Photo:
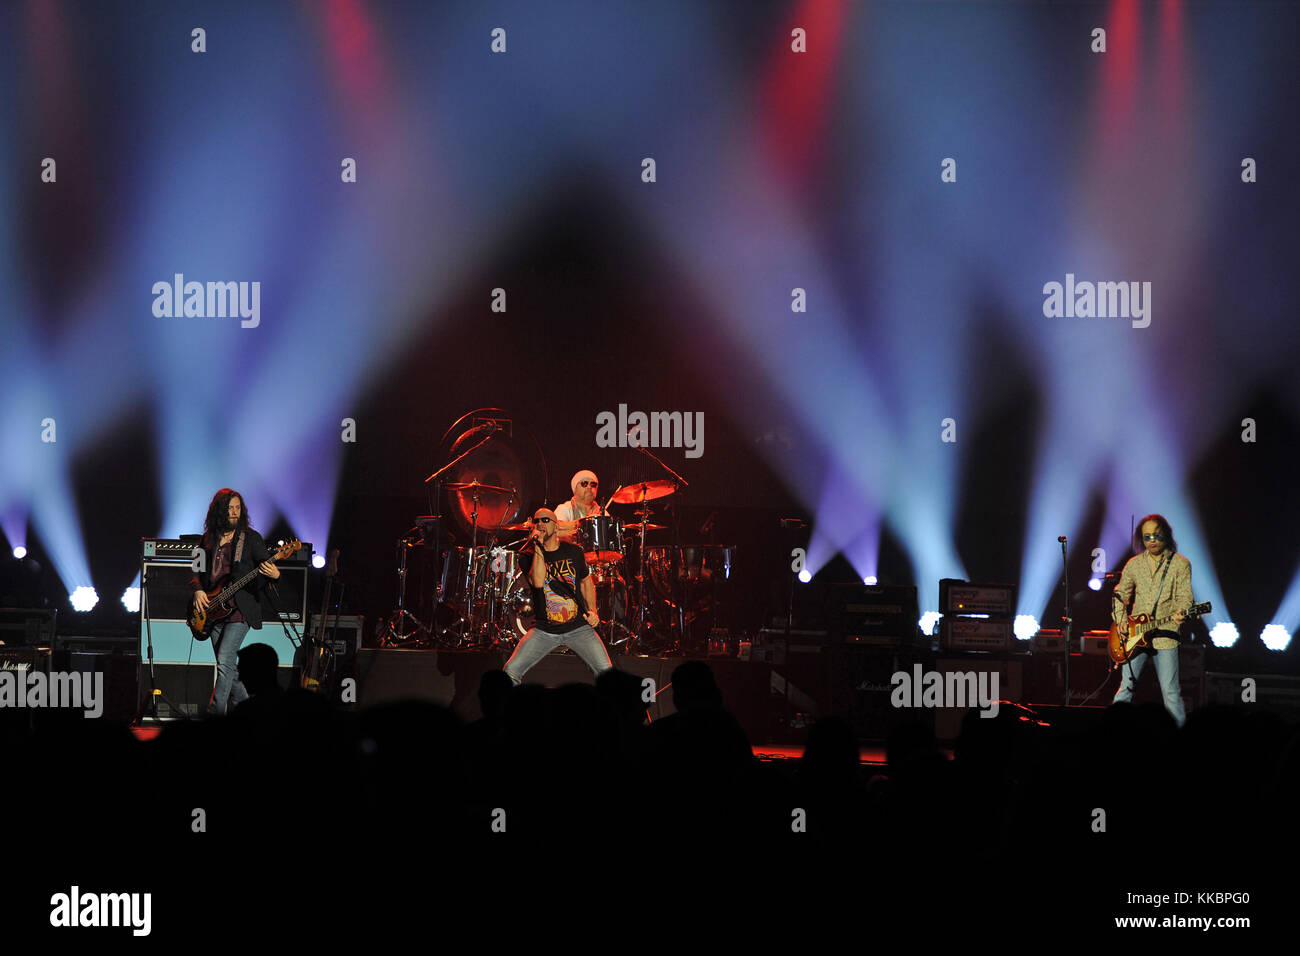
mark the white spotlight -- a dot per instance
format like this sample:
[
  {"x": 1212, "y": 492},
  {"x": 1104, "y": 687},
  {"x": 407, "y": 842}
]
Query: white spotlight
[
  {"x": 1224, "y": 634},
  {"x": 805, "y": 575},
  {"x": 1275, "y": 637},
  {"x": 318, "y": 560},
  {"x": 870, "y": 580},
  {"x": 1094, "y": 583},
  {"x": 83, "y": 598},
  {"x": 929, "y": 620},
  {"x": 1025, "y": 626},
  {"x": 20, "y": 552},
  {"x": 131, "y": 600}
]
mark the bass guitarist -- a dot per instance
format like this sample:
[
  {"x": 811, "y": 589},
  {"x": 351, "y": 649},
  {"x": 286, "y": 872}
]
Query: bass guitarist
[
  {"x": 230, "y": 549},
  {"x": 1156, "y": 579}
]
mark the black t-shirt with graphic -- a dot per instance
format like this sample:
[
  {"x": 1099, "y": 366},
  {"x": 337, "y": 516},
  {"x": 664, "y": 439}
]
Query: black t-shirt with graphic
[{"x": 554, "y": 607}]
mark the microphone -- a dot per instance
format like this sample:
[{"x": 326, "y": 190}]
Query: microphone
[{"x": 1061, "y": 539}]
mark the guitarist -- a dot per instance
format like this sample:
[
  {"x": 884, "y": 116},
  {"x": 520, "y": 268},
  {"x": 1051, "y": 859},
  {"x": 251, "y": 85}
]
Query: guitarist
[
  {"x": 1156, "y": 581},
  {"x": 231, "y": 549}
]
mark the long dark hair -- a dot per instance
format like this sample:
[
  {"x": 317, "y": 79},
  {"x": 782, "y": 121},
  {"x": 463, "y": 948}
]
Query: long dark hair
[
  {"x": 1162, "y": 526},
  {"x": 215, "y": 523}
]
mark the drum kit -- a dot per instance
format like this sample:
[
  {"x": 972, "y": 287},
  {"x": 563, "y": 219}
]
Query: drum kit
[{"x": 484, "y": 597}]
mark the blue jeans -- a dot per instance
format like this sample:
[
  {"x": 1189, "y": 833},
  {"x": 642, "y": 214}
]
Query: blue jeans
[
  {"x": 536, "y": 644},
  {"x": 1166, "y": 670},
  {"x": 229, "y": 690}
]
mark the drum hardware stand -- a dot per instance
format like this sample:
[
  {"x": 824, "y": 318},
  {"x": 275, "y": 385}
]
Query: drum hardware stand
[
  {"x": 394, "y": 634},
  {"x": 679, "y": 483},
  {"x": 437, "y": 491}
]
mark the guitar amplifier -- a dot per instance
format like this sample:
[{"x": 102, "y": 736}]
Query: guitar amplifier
[
  {"x": 1095, "y": 642},
  {"x": 1048, "y": 642},
  {"x": 974, "y": 634},
  {"x": 34, "y": 626},
  {"x": 880, "y": 615},
  {"x": 962, "y": 597}
]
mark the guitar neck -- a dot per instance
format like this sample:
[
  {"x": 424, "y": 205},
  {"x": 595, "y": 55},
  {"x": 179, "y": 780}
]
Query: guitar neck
[{"x": 229, "y": 591}]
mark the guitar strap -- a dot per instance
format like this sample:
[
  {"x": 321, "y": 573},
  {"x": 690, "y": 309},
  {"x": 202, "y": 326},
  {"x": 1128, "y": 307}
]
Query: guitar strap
[
  {"x": 1160, "y": 587},
  {"x": 239, "y": 551}
]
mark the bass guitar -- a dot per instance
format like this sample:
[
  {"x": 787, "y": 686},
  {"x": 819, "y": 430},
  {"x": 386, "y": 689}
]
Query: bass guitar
[
  {"x": 221, "y": 601},
  {"x": 1123, "y": 644}
]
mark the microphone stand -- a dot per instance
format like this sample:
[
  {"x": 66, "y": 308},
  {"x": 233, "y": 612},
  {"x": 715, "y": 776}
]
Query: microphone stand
[{"x": 1067, "y": 620}]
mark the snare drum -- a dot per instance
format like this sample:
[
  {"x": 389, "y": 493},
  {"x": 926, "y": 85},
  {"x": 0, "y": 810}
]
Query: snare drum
[{"x": 601, "y": 538}]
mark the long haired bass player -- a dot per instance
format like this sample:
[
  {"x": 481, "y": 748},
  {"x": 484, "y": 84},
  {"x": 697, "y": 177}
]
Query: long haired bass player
[
  {"x": 231, "y": 550},
  {"x": 1157, "y": 581}
]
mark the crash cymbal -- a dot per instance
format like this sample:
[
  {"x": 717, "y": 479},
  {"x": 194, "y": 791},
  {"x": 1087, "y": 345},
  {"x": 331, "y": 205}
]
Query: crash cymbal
[
  {"x": 637, "y": 527},
  {"x": 476, "y": 486},
  {"x": 522, "y": 526},
  {"x": 644, "y": 491}
]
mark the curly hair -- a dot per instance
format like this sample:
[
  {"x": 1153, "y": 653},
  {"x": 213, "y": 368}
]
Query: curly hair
[
  {"x": 1162, "y": 526},
  {"x": 215, "y": 523}
]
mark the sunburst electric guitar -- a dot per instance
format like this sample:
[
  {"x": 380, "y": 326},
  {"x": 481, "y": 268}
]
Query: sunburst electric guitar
[
  {"x": 1127, "y": 642},
  {"x": 221, "y": 601}
]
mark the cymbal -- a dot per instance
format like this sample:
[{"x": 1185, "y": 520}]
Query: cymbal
[
  {"x": 475, "y": 485},
  {"x": 644, "y": 491},
  {"x": 522, "y": 526},
  {"x": 637, "y": 527}
]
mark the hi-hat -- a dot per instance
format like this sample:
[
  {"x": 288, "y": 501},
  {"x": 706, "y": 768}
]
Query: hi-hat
[
  {"x": 644, "y": 491},
  {"x": 649, "y": 527}
]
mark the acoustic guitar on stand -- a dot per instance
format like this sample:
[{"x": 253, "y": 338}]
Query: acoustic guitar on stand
[{"x": 1124, "y": 644}]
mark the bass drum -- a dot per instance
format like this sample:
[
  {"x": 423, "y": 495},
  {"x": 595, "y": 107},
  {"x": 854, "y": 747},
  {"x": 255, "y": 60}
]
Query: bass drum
[{"x": 611, "y": 602}]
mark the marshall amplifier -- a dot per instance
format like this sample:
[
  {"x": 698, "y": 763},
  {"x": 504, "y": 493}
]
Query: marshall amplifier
[
  {"x": 881, "y": 615},
  {"x": 974, "y": 634},
  {"x": 962, "y": 597}
]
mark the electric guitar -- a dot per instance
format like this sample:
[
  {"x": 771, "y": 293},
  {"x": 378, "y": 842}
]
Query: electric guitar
[
  {"x": 1123, "y": 645},
  {"x": 221, "y": 601}
]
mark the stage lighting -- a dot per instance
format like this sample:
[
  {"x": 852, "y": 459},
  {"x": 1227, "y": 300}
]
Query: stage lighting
[
  {"x": 1094, "y": 583},
  {"x": 318, "y": 560},
  {"x": 131, "y": 599},
  {"x": 805, "y": 575},
  {"x": 870, "y": 580},
  {"x": 1224, "y": 634},
  {"x": 928, "y": 622},
  {"x": 1275, "y": 637},
  {"x": 20, "y": 552},
  {"x": 83, "y": 598},
  {"x": 1025, "y": 626}
]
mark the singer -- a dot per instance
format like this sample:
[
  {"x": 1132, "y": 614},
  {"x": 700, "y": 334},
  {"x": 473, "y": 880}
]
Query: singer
[
  {"x": 564, "y": 603},
  {"x": 1157, "y": 575}
]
